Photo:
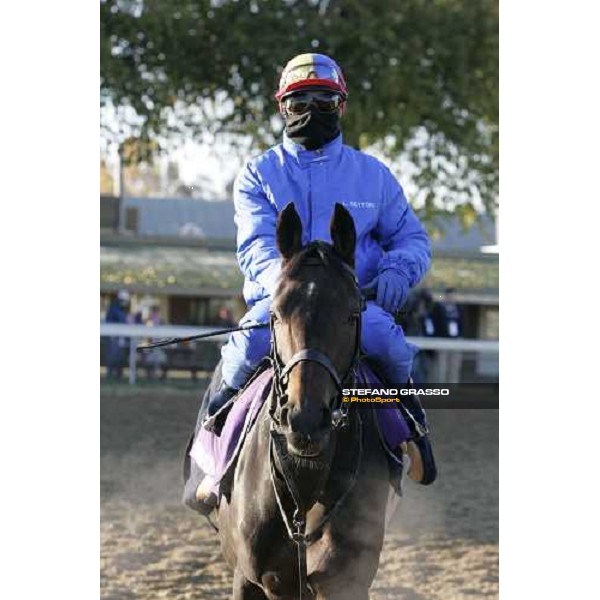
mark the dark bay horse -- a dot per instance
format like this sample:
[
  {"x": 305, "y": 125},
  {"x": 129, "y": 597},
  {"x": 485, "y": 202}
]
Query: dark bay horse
[{"x": 306, "y": 514}]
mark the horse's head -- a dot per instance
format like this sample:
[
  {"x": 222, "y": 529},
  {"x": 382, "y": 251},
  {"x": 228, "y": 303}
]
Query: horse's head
[{"x": 315, "y": 329}]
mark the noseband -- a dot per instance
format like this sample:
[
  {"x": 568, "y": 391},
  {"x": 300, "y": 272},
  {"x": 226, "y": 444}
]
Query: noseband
[{"x": 282, "y": 370}]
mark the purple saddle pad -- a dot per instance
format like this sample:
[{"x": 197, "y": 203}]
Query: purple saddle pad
[
  {"x": 215, "y": 454},
  {"x": 393, "y": 429}
]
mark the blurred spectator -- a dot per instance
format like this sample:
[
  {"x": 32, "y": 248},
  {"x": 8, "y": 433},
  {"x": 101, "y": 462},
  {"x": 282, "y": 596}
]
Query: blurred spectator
[
  {"x": 448, "y": 323},
  {"x": 137, "y": 318},
  {"x": 155, "y": 359},
  {"x": 154, "y": 317},
  {"x": 118, "y": 312},
  {"x": 421, "y": 324},
  {"x": 225, "y": 317},
  {"x": 224, "y": 321}
]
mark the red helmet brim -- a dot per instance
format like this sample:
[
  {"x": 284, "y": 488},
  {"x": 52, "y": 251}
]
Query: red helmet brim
[{"x": 297, "y": 85}]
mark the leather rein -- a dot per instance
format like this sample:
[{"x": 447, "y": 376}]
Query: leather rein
[{"x": 296, "y": 526}]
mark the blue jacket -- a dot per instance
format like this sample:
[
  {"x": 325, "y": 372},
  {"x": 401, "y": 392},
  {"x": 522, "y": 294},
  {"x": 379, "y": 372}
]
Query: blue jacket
[{"x": 389, "y": 235}]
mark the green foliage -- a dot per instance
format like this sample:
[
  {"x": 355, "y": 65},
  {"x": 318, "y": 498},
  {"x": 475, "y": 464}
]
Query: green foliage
[{"x": 422, "y": 76}]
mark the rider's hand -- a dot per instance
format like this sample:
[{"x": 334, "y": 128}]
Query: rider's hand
[{"x": 392, "y": 289}]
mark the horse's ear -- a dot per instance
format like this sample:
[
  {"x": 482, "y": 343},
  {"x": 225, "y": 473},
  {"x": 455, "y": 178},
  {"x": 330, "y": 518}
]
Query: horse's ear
[
  {"x": 343, "y": 233},
  {"x": 289, "y": 232}
]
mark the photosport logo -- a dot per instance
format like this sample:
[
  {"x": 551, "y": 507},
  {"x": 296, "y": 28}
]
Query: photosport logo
[{"x": 459, "y": 395}]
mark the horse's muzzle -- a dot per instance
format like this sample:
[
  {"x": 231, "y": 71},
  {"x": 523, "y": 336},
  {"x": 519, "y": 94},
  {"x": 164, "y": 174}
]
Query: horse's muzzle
[{"x": 306, "y": 446}]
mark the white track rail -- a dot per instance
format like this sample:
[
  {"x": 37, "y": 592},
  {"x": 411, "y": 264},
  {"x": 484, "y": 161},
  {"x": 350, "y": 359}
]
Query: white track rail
[{"x": 139, "y": 332}]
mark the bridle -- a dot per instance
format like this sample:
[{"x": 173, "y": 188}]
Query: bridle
[
  {"x": 282, "y": 370},
  {"x": 296, "y": 527}
]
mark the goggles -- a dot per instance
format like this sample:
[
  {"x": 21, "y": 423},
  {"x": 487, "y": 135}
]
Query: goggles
[{"x": 299, "y": 102}]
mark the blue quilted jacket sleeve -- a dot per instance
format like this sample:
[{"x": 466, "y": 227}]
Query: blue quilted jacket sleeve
[
  {"x": 256, "y": 220},
  {"x": 401, "y": 235}
]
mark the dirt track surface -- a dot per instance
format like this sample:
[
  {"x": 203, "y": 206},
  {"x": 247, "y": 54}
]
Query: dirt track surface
[{"x": 441, "y": 544}]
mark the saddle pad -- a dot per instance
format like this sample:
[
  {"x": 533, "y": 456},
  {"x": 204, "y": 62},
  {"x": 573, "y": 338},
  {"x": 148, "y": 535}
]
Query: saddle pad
[
  {"x": 393, "y": 429},
  {"x": 213, "y": 453},
  {"x": 216, "y": 454}
]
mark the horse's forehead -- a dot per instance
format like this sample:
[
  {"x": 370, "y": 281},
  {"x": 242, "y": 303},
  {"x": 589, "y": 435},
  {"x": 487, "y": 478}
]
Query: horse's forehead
[
  {"x": 315, "y": 283},
  {"x": 310, "y": 291},
  {"x": 303, "y": 293},
  {"x": 310, "y": 294}
]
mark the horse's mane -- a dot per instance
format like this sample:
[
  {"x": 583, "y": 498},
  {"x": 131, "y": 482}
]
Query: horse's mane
[{"x": 318, "y": 250}]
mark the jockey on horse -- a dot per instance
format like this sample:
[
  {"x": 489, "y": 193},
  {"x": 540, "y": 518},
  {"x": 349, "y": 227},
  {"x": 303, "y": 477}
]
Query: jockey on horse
[{"x": 314, "y": 169}]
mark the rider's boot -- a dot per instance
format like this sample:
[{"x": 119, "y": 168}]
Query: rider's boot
[
  {"x": 215, "y": 416},
  {"x": 423, "y": 469},
  {"x": 200, "y": 497},
  {"x": 197, "y": 493}
]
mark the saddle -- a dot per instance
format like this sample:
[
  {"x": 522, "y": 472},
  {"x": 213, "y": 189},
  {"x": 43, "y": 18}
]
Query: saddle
[{"x": 215, "y": 456}]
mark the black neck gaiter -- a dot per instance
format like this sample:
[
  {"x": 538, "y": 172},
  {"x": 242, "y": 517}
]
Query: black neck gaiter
[{"x": 312, "y": 129}]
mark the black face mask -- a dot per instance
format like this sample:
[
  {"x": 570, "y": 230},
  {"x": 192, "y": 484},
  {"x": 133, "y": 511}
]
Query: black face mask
[{"x": 312, "y": 129}]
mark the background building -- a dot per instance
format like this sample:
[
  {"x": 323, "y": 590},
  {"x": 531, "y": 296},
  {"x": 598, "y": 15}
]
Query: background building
[{"x": 179, "y": 254}]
